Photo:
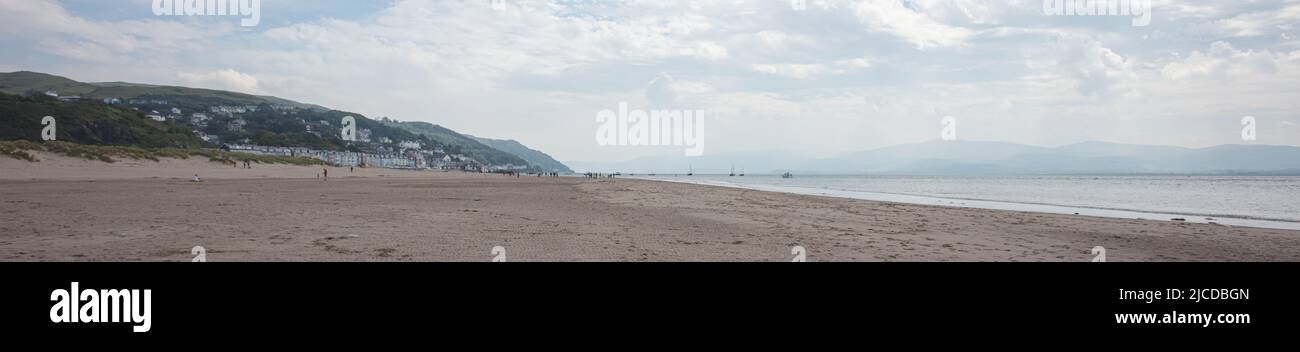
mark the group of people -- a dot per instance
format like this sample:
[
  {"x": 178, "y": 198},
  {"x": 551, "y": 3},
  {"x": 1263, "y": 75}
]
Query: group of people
[
  {"x": 539, "y": 174},
  {"x": 599, "y": 175},
  {"x": 247, "y": 164}
]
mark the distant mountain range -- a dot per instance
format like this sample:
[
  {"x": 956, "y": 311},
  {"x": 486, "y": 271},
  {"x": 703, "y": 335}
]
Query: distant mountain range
[
  {"x": 87, "y": 117},
  {"x": 989, "y": 158}
]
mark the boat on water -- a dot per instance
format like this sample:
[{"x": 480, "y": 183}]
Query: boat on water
[
  {"x": 787, "y": 175},
  {"x": 690, "y": 170},
  {"x": 733, "y": 171}
]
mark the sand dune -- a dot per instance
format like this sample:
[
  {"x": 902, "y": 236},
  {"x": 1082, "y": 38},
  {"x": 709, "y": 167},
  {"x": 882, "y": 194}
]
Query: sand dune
[{"x": 63, "y": 209}]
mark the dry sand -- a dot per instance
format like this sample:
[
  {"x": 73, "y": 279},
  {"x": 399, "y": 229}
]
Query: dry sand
[{"x": 63, "y": 209}]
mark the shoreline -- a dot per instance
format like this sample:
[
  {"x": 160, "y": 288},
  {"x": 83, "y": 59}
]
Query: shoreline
[
  {"x": 1047, "y": 208},
  {"x": 90, "y": 211}
]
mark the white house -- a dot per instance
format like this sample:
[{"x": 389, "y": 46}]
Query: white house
[
  {"x": 363, "y": 135},
  {"x": 410, "y": 145}
]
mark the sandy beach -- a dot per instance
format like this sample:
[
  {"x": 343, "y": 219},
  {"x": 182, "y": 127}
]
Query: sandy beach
[{"x": 63, "y": 209}]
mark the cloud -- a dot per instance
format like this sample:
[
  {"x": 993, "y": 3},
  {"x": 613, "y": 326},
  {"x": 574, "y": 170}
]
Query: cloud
[
  {"x": 227, "y": 79},
  {"x": 1223, "y": 61},
  {"x": 1260, "y": 23},
  {"x": 804, "y": 71},
  {"x": 915, "y": 27}
]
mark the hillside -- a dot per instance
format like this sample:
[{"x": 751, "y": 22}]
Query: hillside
[
  {"x": 266, "y": 121},
  {"x": 242, "y": 118},
  {"x": 532, "y": 156},
  {"x": 464, "y": 144},
  {"x": 89, "y": 123},
  {"x": 24, "y": 82}
]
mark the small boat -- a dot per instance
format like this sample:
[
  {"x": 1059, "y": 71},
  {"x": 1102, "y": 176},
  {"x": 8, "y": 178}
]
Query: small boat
[
  {"x": 787, "y": 175},
  {"x": 742, "y": 172},
  {"x": 691, "y": 170},
  {"x": 733, "y": 171}
]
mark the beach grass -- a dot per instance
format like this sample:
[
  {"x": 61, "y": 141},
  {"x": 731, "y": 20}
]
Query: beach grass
[{"x": 22, "y": 149}]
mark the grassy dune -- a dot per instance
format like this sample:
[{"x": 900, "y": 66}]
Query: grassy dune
[{"x": 22, "y": 150}]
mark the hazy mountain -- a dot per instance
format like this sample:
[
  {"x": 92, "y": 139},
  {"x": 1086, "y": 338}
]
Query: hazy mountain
[
  {"x": 532, "y": 156},
  {"x": 990, "y": 158}
]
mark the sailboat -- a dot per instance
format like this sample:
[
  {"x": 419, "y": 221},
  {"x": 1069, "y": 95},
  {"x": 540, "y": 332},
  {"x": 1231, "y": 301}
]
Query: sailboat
[
  {"x": 691, "y": 170},
  {"x": 787, "y": 175},
  {"x": 742, "y": 172},
  {"x": 733, "y": 171}
]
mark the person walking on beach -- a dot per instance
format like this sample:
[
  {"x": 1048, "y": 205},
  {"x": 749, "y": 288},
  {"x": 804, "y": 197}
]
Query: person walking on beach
[{"x": 326, "y": 172}]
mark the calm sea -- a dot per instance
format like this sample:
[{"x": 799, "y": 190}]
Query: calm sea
[{"x": 1257, "y": 201}]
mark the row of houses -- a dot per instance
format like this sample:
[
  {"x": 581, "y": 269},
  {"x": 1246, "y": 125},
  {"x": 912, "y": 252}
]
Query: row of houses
[{"x": 407, "y": 159}]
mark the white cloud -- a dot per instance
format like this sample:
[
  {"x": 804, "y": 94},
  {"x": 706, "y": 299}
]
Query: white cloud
[
  {"x": 804, "y": 71},
  {"x": 1264, "y": 22},
  {"x": 918, "y": 28},
  {"x": 1223, "y": 61},
  {"x": 227, "y": 79}
]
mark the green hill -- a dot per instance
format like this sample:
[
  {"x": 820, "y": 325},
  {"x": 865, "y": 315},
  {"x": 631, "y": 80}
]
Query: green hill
[
  {"x": 532, "y": 156},
  {"x": 462, "y": 143},
  {"x": 26, "y": 82},
  {"x": 88, "y": 122}
]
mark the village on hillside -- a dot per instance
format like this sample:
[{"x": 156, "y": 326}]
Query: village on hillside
[{"x": 224, "y": 125}]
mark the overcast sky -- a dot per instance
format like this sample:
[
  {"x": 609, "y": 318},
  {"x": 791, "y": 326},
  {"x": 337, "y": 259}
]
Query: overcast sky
[{"x": 836, "y": 77}]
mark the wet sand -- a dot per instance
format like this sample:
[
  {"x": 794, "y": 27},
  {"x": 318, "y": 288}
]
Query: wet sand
[{"x": 72, "y": 210}]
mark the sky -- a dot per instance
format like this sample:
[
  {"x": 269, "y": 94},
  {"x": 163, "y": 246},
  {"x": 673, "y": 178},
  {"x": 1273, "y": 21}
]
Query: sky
[{"x": 823, "y": 79}]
